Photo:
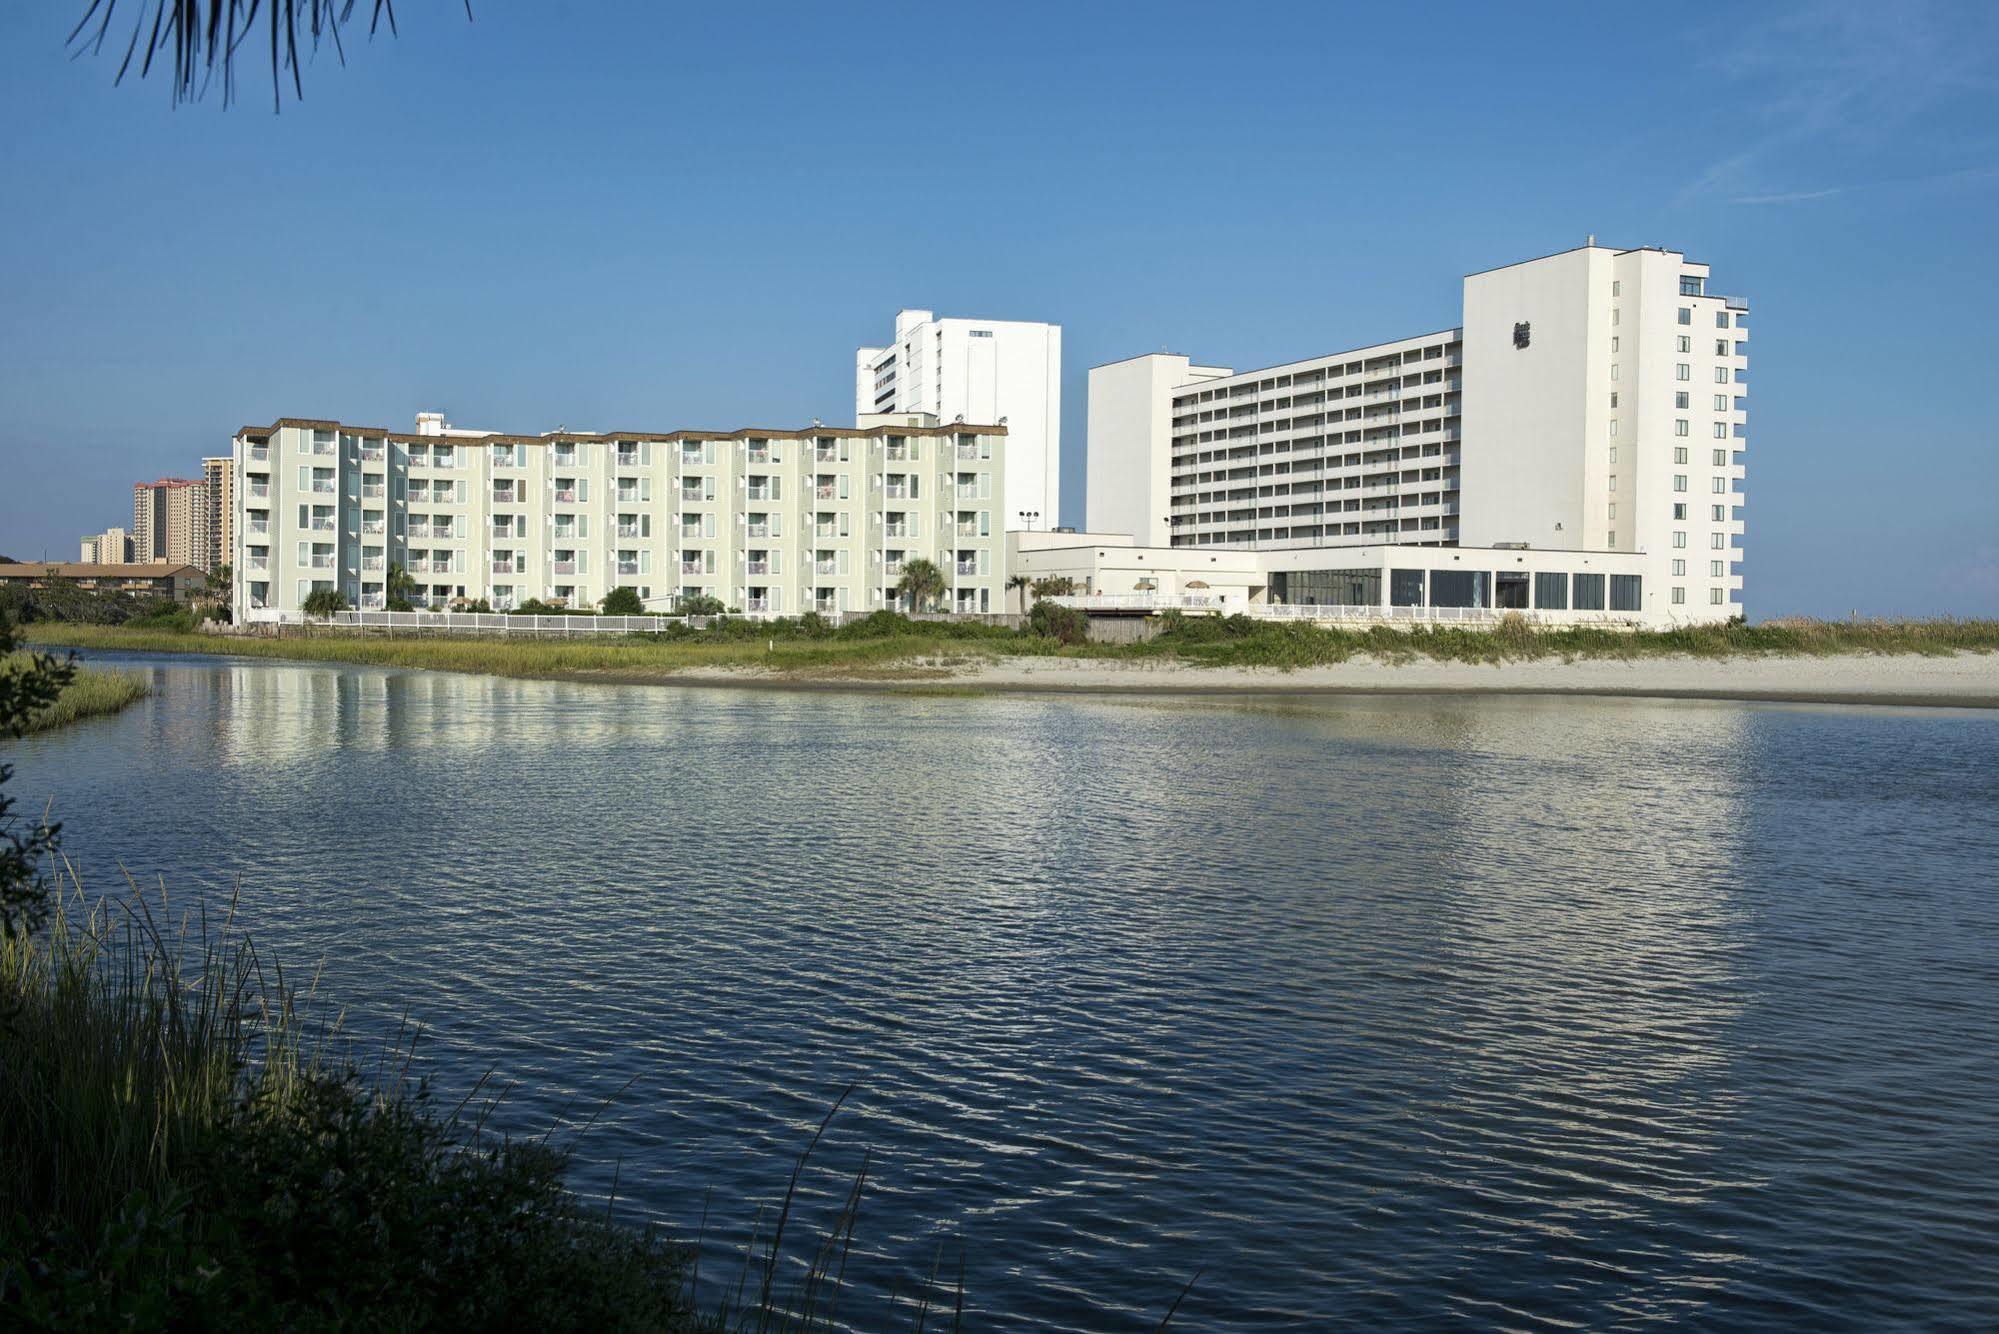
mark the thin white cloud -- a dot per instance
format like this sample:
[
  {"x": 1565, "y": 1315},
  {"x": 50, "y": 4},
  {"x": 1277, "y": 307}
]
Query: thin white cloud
[{"x": 1848, "y": 75}]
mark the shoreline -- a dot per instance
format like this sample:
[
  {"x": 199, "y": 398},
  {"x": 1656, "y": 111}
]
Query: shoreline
[{"x": 1961, "y": 679}]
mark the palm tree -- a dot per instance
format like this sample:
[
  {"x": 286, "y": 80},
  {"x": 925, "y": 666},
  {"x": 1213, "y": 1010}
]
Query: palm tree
[
  {"x": 398, "y": 587},
  {"x": 1024, "y": 583},
  {"x": 922, "y": 583}
]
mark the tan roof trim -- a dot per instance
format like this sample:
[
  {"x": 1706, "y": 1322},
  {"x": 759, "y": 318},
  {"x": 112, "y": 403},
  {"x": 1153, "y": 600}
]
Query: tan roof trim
[
  {"x": 80, "y": 570},
  {"x": 575, "y": 437}
]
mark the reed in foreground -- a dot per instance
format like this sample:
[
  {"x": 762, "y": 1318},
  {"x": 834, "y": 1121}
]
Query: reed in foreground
[{"x": 89, "y": 692}]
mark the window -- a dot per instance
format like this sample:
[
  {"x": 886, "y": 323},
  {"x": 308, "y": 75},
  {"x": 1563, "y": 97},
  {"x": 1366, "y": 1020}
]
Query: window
[
  {"x": 1589, "y": 592},
  {"x": 1679, "y": 510},
  {"x": 1679, "y": 568},
  {"x": 1718, "y": 512},
  {"x": 1683, "y": 372},
  {"x": 1679, "y": 594},
  {"x": 1721, "y": 319},
  {"x": 1680, "y": 453},
  {"x": 1680, "y": 400},
  {"x": 1460, "y": 588},
  {"x": 1720, "y": 456},
  {"x": 1714, "y": 595},
  {"x": 1613, "y": 400},
  {"x": 1721, "y": 402},
  {"x": 1613, "y": 426},
  {"x": 1613, "y": 481},
  {"x": 1691, "y": 284},
  {"x": 1721, "y": 347},
  {"x": 1616, "y": 287},
  {"x": 1680, "y": 428},
  {"x": 1720, "y": 375},
  {"x": 1717, "y": 541},
  {"x": 1686, "y": 314},
  {"x": 1613, "y": 509},
  {"x": 1715, "y": 570},
  {"x": 1551, "y": 592},
  {"x": 979, "y": 333},
  {"x": 1625, "y": 592},
  {"x": 1610, "y": 538},
  {"x": 1613, "y": 453},
  {"x": 1686, "y": 343},
  {"x": 1613, "y": 342},
  {"x": 1613, "y": 370},
  {"x": 1679, "y": 540},
  {"x": 1615, "y": 314},
  {"x": 1405, "y": 588},
  {"x": 1720, "y": 487}
]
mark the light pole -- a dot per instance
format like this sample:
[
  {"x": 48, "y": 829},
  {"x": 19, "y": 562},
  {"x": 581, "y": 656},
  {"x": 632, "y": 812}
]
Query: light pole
[{"x": 1028, "y": 518}]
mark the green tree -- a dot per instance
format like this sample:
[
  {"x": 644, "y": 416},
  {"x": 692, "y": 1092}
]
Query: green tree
[
  {"x": 700, "y": 604},
  {"x": 623, "y": 601},
  {"x": 922, "y": 583},
  {"x": 399, "y": 585},
  {"x": 324, "y": 602},
  {"x": 1022, "y": 582},
  {"x": 1054, "y": 586},
  {"x": 26, "y": 688},
  {"x": 1065, "y": 625}
]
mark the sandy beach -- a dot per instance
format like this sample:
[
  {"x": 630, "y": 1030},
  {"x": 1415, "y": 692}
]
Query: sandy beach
[{"x": 1964, "y": 680}]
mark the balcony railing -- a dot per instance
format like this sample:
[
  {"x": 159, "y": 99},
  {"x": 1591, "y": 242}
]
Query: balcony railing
[
  {"x": 759, "y": 567},
  {"x": 373, "y": 526},
  {"x": 322, "y": 562},
  {"x": 826, "y": 606},
  {"x": 692, "y": 567},
  {"x": 565, "y": 567},
  {"x": 373, "y": 491},
  {"x": 826, "y": 454},
  {"x": 628, "y": 458},
  {"x": 628, "y": 530},
  {"x": 824, "y": 566},
  {"x": 260, "y": 453},
  {"x": 509, "y": 567},
  {"x": 759, "y": 530},
  {"x": 503, "y": 495},
  {"x": 968, "y": 567},
  {"x": 968, "y": 530},
  {"x": 375, "y": 455},
  {"x": 968, "y": 453},
  {"x": 827, "y": 492},
  {"x": 565, "y": 496},
  {"x": 628, "y": 567},
  {"x": 323, "y": 486},
  {"x": 756, "y": 604},
  {"x": 371, "y": 562},
  {"x": 322, "y": 525},
  {"x": 693, "y": 495}
]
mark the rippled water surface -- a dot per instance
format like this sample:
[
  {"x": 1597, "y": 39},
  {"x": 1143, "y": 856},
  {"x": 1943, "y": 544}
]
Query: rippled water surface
[{"x": 1491, "y": 1011}]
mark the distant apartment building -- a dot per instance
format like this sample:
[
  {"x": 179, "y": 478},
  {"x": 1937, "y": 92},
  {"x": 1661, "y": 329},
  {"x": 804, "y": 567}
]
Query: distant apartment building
[
  {"x": 170, "y": 522},
  {"x": 140, "y": 578},
  {"x": 1002, "y": 371},
  {"x": 113, "y": 546},
  {"x": 1592, "y": 400},
  {"x": 779, "y": 522},
  {"x": 219, "y": 476}
]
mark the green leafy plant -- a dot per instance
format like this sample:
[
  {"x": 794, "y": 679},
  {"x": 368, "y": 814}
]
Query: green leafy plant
[
  {"x": 26, "y": 690},
  {"x": 921, "y": 585},
  {"x": 1065, "y": 625},
  {"x": 623, "y": 601},
  {"x": 324, "y": 602}
]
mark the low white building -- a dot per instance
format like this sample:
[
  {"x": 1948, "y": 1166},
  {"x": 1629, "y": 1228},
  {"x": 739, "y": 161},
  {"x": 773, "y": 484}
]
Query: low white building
[
  {"x": 1004, "y": 371},
  {"x": 1112, "y": 574}
]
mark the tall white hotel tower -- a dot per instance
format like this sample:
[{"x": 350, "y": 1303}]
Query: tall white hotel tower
[
  {"x": 978, "y": 371},
  {"x": 1593, "y": 400}
]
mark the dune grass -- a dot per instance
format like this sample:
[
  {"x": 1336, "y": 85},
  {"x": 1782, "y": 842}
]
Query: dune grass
[
  {"x": 917, "y": 651},
  {"x": 90, "y": 693}
]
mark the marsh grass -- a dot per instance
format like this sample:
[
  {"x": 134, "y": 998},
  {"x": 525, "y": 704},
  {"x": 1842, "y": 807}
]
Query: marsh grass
[
  {"x": 89, "y": 693},
  {"x": 887, "y": 647}
]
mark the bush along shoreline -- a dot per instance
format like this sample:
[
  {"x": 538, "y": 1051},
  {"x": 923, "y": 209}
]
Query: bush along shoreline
[{"x": 89, "y": 693}]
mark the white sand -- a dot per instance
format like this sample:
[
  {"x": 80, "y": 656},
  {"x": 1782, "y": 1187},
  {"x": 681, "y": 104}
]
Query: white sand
[{"x": 1964, "y": 679}]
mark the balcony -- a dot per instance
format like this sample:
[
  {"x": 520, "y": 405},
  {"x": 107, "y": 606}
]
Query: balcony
[
  {"x": 503, "y": 495},
  {"x": 968, "y": 567},
  {"x": 825, "y": 530},
  {"x": 758, "y": 454},
  {"x": 259, "y": 527},
  {"x": 373, "y": 491},
  {"x": 758, "y": 567},
  {"x": 693, "y": 567},
  {"x": 693, "y": 495},
  {"x": 824, "y": 566},
  {"x": 565, "y": 567},
  {"x": 323, "y": 486},
  {"x": 967, "y": 492},
  {"x": 323, "y": 447},
  {"x": 322, "y": 562},
  {"x": 826, "y": 606},
  {"x": 628, "y": 458},
  {"x": 628, "y": 567},
  {"x": 897, "y": 491},
  {"x": 968, "y": 453},
  {"x": 899, "y": 530},
  {"x": 442, "y": 459},
  {"x": 322, "y": 525},
  {"x": 968, "y": 530},
  {"x": 827, "y": 491},
  {"x": 826, "y": 454},
  {"x": 509, "y": 567},
  {"x": 373, "y": 454},
  {"x": 371, "y": 562},
  {"x": 628, "y": 530},
  {"x": 260, "y": 453},
  {"x": 756, "y": 604},
  {"x": 628, "y": 495},
  {"x": 892, "y": 568},
  {"x": 565, "y": 495},
  {"x": 372, "y": 526},
  {"x": 899, "y": 453},
  {"x": 759, "y": 530}
]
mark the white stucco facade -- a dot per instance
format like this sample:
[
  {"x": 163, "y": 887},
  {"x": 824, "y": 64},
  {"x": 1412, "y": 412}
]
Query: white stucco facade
[
  {"x": 1591, "y": 400},
  {"x": 1002, "y": 371}
]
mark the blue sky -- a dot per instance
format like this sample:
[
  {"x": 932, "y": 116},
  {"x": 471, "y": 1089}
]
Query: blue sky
[{"x": 647, "y": 216}]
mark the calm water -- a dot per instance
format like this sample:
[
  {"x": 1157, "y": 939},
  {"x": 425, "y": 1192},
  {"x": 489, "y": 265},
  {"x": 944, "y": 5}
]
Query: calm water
[{"x": 1501, "y": 1012}]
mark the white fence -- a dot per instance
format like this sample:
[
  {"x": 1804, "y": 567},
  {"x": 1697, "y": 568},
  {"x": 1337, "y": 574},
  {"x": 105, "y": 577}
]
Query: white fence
[
  {"x": 479, "y": 623},
  {"x": 1332, "y": 615}
]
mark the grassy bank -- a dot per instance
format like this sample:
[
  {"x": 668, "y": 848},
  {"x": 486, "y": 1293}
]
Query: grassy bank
[
  {"x": 892, "y": 648},
  {"x": 89, "y": 693}
]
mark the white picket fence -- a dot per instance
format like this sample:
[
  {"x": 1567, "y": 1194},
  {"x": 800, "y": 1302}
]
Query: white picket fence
[{"x": 479, "y": 623}]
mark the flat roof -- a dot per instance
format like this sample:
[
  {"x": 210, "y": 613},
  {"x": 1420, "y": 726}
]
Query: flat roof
[{"x": 588, "y": 437}]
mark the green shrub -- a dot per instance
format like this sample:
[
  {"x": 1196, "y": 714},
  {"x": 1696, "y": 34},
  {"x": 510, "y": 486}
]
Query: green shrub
[
  {"x": 623, "y": 601},
  {"x": 1065, "y": 625},
  {"x": 162, "y": 614},
  {"x": 701, "y": 604},
  {"x": 324, "y": 602}
]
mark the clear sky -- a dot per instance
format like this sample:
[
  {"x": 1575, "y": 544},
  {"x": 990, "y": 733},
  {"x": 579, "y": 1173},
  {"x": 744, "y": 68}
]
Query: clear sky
[{"x": 645, "y": 216}]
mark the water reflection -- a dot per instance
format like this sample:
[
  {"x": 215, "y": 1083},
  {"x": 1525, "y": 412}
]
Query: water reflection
[{"x": 1399, "y": 1011}]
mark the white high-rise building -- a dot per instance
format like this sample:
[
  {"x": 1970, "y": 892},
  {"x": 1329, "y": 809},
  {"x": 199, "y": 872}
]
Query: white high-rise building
[
  {"x": 1592, "y": 400},
  {"x": 1003, "y": 371}
]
